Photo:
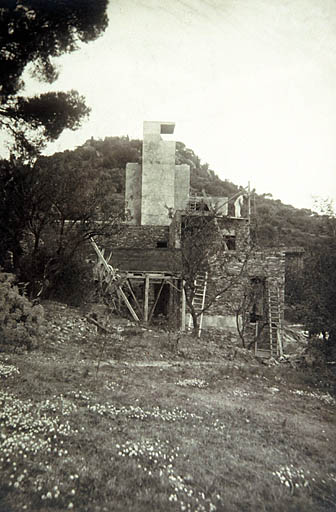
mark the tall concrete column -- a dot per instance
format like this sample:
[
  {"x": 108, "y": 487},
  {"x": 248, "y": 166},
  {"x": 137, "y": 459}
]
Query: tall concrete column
[{"x": 158, "y": 175}]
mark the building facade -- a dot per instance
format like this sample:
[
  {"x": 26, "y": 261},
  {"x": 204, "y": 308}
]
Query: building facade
[{"x": 150, "y": 250}]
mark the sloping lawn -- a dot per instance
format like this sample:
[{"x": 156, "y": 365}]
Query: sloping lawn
[{"x": 160, "y": 435}]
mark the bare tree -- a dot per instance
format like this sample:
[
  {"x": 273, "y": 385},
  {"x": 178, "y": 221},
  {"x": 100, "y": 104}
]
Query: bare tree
[{"x": 204, "y": 247}]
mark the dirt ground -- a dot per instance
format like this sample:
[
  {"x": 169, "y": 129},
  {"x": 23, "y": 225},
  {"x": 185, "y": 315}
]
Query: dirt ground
[{"x": 95, "y": 326}]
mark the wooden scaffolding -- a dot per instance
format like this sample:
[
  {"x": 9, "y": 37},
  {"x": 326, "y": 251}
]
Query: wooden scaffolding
[{"x": 141, "y": 291}]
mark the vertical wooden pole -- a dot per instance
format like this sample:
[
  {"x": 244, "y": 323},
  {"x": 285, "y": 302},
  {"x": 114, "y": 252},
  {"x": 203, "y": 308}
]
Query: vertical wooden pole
[
  {"x": 183, "y": 308},
  {"x": 171, "y": 316},
  {"x": 146, "y": 298},
  {"x": 249, "y": 202},
  {"x": 156, "y": 301}
]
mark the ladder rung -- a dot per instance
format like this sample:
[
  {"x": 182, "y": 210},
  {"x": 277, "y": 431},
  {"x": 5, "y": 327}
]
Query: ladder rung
[
  {"x": 274, "y": 317},
  {"x": 200, "y": 283}
]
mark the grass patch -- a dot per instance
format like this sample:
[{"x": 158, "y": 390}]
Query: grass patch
[{"x": 160, "y": 434}]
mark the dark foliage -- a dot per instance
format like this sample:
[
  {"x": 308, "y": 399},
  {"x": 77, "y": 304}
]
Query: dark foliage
[
  {"x": 277, "y": 224},
  {"x": 47, "y": 212},
  {"x": 34, "y": 121},
  {"x": 319, "y": 293},
  {"x": 33, "y": 32}
]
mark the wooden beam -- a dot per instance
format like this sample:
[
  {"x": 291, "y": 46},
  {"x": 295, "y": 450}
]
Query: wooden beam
[
  {"x": 280, "y": 348},
  {"x": 171, "y": 304},
  {"x": 128, "y": 304},
  {"x": 156, "y": 301},
  {"x": 134, "y": 297},
  {"x": 183, "y": 308},
  {"x": 146, "y": 298},
  {"x": 152, "y": 275}
]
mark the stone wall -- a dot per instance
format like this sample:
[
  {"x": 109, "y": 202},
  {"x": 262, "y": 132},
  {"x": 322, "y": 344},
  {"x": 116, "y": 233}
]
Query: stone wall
[
  {"x": 147, "y": 260},
  {"x": 238, "y": 228},
  {"x": 268, "y": 266},
  {"x": 226, "y": 227},
  {"x": 139, "y": 237}
]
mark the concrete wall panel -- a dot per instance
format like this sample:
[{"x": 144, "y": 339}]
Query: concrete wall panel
[
  {"x": 158, "y": 177},
  {"x": 133, "y": 194},
  {"x": 182, "y": 186}
]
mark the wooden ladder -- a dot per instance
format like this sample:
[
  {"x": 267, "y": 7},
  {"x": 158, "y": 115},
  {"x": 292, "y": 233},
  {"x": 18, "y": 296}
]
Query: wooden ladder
[
  {"x": 274, "y": 320},
  {"x": 200, "y": 286}
]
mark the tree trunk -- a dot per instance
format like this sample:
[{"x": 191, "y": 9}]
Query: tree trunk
[
  {"x": 195, "y": 319},
  {"x": 17, "y": 253}
]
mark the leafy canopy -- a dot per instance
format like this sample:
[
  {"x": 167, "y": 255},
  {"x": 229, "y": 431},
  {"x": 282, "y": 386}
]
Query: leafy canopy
[
  {"x": 34, "y": 32},
  {"x": 319, "y": 279}
]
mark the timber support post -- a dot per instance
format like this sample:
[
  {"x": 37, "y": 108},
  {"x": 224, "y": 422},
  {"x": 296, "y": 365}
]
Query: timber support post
[
  {"x": 183, "y": 308},
  {"x": 146, "y": 298}
]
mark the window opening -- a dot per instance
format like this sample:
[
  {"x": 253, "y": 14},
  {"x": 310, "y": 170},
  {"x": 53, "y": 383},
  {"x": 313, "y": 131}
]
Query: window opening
[
  {"x": 230, "y": 242},
  {"x": 201, "y": 206},
  {"x": 162, "y": 244}
]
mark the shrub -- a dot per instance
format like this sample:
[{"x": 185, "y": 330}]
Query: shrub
[
  {"x": 20, "y": 320},
  {"x": 74, "y": 284}
]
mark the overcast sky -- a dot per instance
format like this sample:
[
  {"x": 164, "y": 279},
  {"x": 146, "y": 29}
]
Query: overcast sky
[{"x": 251, "y": 85}]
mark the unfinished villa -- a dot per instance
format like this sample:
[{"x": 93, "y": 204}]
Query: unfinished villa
[{"x": 183, "y": 258}]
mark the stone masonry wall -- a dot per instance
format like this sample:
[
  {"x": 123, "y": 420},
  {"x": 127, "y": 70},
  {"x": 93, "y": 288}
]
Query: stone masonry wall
[
  {"x": 139, "y": 237},
  {"x": 269, "y": 265},
  {"x": 236, "y": 227},
  {"x": 147, "y": 260}
]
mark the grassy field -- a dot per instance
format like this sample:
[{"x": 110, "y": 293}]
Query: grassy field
[{"x": 161, "y": 426}]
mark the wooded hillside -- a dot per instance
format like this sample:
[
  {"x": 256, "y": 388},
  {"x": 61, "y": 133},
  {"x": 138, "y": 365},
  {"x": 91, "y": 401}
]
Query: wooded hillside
[{"x": 273, "y": 222}]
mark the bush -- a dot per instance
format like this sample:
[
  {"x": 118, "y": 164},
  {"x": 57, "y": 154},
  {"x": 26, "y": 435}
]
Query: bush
[
  {"x": 75, "y": 284},
  {"x": 20, "y": 320}
]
